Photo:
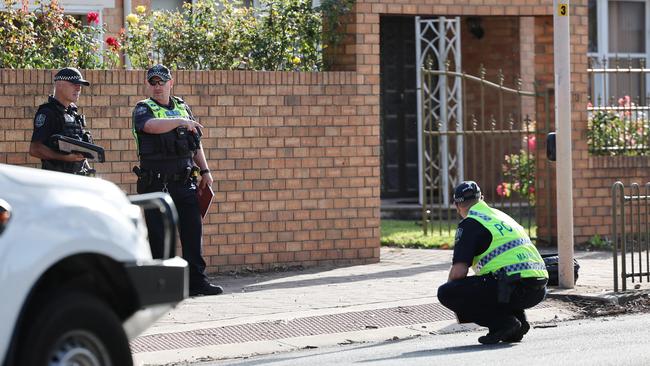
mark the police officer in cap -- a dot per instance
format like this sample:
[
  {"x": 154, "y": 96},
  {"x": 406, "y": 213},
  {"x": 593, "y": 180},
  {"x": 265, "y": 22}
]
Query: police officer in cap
[
  {"x": 60, "y": 116},
  {"x": 510, "y": 273},
  {"x": 172, "y": 160}
]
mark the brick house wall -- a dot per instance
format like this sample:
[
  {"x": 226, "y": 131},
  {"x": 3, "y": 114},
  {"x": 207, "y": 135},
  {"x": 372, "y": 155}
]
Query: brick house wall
[{"x": 294, "y": 155}]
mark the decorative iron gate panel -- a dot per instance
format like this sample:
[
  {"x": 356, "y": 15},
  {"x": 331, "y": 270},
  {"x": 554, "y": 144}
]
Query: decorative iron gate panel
[
  {"x": 488, "y": 134},
  {"x": 438, "y": 40}
]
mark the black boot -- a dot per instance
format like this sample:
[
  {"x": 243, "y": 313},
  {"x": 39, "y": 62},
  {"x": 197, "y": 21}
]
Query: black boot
[
  {"x": 525, "y": 327},
  {"x": 506, "y": 330},
  {"x": 205, "y": 288}
]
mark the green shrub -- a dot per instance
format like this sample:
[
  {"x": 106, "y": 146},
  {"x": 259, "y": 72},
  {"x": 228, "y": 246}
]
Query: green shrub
[
  {"x": 224, "y": 35},
  {"x": 619, "y": 130}
]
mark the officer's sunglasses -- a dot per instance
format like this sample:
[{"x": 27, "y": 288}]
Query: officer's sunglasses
[{"x": 157, "y": 82}]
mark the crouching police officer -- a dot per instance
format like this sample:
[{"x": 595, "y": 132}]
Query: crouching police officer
[
  {"x": 510, "y": 273},
  {"x": 59, "y": 116},
  {"x": 172, "y": 160}
]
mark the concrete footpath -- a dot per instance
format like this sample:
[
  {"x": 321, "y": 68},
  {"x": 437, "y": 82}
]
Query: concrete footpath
[{"x": 283, "y": 311}]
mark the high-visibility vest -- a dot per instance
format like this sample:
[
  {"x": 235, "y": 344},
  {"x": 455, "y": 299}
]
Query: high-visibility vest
[
  {"x": 160, "y": 112},
  {"x": 510, "y": 250},
  {"x": 169, "y": 144}
]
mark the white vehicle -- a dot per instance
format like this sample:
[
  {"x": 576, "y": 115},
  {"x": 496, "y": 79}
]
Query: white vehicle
[{"x": 76, "y": 272}]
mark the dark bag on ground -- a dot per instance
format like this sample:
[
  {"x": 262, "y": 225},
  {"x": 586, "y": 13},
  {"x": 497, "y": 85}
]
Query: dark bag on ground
[{"x": 551, "y": 261}]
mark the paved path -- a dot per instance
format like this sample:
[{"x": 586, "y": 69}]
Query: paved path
[{"x": 275, "y": 312}]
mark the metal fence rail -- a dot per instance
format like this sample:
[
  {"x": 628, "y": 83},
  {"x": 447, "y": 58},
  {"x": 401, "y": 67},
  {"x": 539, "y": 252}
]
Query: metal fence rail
[
  {"x": 631, "y": 233},
  {"x": 618, "y": 107}
]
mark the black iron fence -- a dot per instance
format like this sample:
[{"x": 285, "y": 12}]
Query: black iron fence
[{"x": 631, "y": 233}]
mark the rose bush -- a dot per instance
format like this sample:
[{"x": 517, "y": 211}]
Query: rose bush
[
  {"x": 519, "y": 172},
  {"x": 209, "y": 34},
  {"x": 621, "y": 129},
  {"x": 47, "y": 38}
]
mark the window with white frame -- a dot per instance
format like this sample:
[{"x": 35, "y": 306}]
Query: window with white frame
[{"x": 617, "y": 39}]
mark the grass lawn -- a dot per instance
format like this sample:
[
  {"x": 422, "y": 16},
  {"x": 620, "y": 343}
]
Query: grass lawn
[{"x": 409, "y": 234}]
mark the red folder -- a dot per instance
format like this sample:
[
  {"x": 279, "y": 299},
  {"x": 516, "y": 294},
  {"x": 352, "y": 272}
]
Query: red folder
[{"x": 205, "y": 199}]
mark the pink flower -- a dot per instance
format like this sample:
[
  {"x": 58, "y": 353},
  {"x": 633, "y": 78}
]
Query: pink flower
[
  {"x": 113, "y": 43},
  {"x": 93, "y": 17},
  {"x": 532, "y": 143},
  {"x": 503, "y": 190},
  {"x": 531, "y": 190}
]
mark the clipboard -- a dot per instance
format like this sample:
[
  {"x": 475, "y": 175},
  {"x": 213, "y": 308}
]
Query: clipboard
[{"x": 205, "y": 196}]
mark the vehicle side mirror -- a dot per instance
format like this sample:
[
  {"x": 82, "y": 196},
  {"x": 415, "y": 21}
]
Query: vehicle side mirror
[
  {"x": 550, "y": 146},
  {"x": 5, "y": 214}
]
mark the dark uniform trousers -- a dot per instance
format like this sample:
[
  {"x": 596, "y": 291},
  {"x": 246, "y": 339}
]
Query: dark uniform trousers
[
  {"x": 190, "y": 228},
  {"x": 474, "y": 299}
]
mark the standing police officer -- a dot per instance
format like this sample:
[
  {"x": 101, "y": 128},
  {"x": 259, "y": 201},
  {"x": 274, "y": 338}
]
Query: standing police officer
[
  {"x": 171, "y": 160},
  {"x": 59, "y": 116},
  {"x": 510, "y": 273}
]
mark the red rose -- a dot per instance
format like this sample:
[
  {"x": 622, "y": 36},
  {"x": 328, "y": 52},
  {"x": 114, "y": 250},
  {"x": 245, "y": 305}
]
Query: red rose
[
  {"x": 113, "y": 43},
  {"x": 93, "y": 17}
]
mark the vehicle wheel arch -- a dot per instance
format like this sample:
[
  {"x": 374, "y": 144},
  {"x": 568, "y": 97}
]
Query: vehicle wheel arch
[{"x": 94, "y": 274}]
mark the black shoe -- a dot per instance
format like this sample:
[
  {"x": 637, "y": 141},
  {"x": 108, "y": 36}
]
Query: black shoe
[
  {"x": 519, "y": 335},
  {"x": 507, "y": 330},
  {"x": 206, "y": 289}
]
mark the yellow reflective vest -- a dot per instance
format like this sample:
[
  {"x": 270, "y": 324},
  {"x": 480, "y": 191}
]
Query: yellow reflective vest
[
  {"x": 510, "y": 249},
  {"x": 177, "y": 143}
]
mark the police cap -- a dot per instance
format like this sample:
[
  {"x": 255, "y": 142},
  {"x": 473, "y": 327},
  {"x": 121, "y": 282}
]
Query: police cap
[
  {"x": 467, "y": 190},
  {"x": 72, "y": 75},
  {"x": 160, "y": 71}
]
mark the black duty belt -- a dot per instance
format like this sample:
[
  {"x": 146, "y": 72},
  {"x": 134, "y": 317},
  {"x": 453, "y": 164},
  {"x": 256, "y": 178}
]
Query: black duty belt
[{"x": 151, "y": 176}]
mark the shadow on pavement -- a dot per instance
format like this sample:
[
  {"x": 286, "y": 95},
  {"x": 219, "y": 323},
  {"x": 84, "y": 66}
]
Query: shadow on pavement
[
  {"x": 268, "y": 281},
  {"x": 443, "y": 351}
]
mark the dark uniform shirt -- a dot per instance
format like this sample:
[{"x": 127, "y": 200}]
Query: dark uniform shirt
[
  {"x": 54, "y": 118},
  {"x": 472, "y": 239},
  {"x": 50, "y": 119},
  {"x": 142, "y": 114}
]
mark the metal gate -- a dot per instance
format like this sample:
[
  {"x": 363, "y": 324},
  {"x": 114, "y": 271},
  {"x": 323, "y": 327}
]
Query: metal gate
[
  {"x": 631, "y": 233},
  {"x": 489, "y": 134}
]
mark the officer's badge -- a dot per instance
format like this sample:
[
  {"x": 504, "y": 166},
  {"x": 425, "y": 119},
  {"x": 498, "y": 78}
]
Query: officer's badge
[
  {"x": 39, "y": 121},
  {"x": 68, "y": 118},
  {"x": 459, "y": 233}
]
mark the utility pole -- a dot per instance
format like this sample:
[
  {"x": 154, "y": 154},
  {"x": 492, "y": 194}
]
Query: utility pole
[{"x": 564, "y": 165}]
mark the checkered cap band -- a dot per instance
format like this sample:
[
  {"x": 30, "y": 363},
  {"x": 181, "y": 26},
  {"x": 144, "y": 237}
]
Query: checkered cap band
[{"x": 67, "y": 78}]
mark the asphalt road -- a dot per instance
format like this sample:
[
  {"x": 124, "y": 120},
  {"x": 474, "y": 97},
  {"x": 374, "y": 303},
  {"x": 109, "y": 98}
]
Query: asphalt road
[{"x": 622, "y": 340}]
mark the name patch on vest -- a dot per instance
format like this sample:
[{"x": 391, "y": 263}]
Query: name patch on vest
[{"x": 172, "y": 113}]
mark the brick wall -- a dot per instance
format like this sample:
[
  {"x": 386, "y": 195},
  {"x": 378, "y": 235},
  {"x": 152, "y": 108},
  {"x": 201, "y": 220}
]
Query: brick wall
[{"x": 295, "y": 157}]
